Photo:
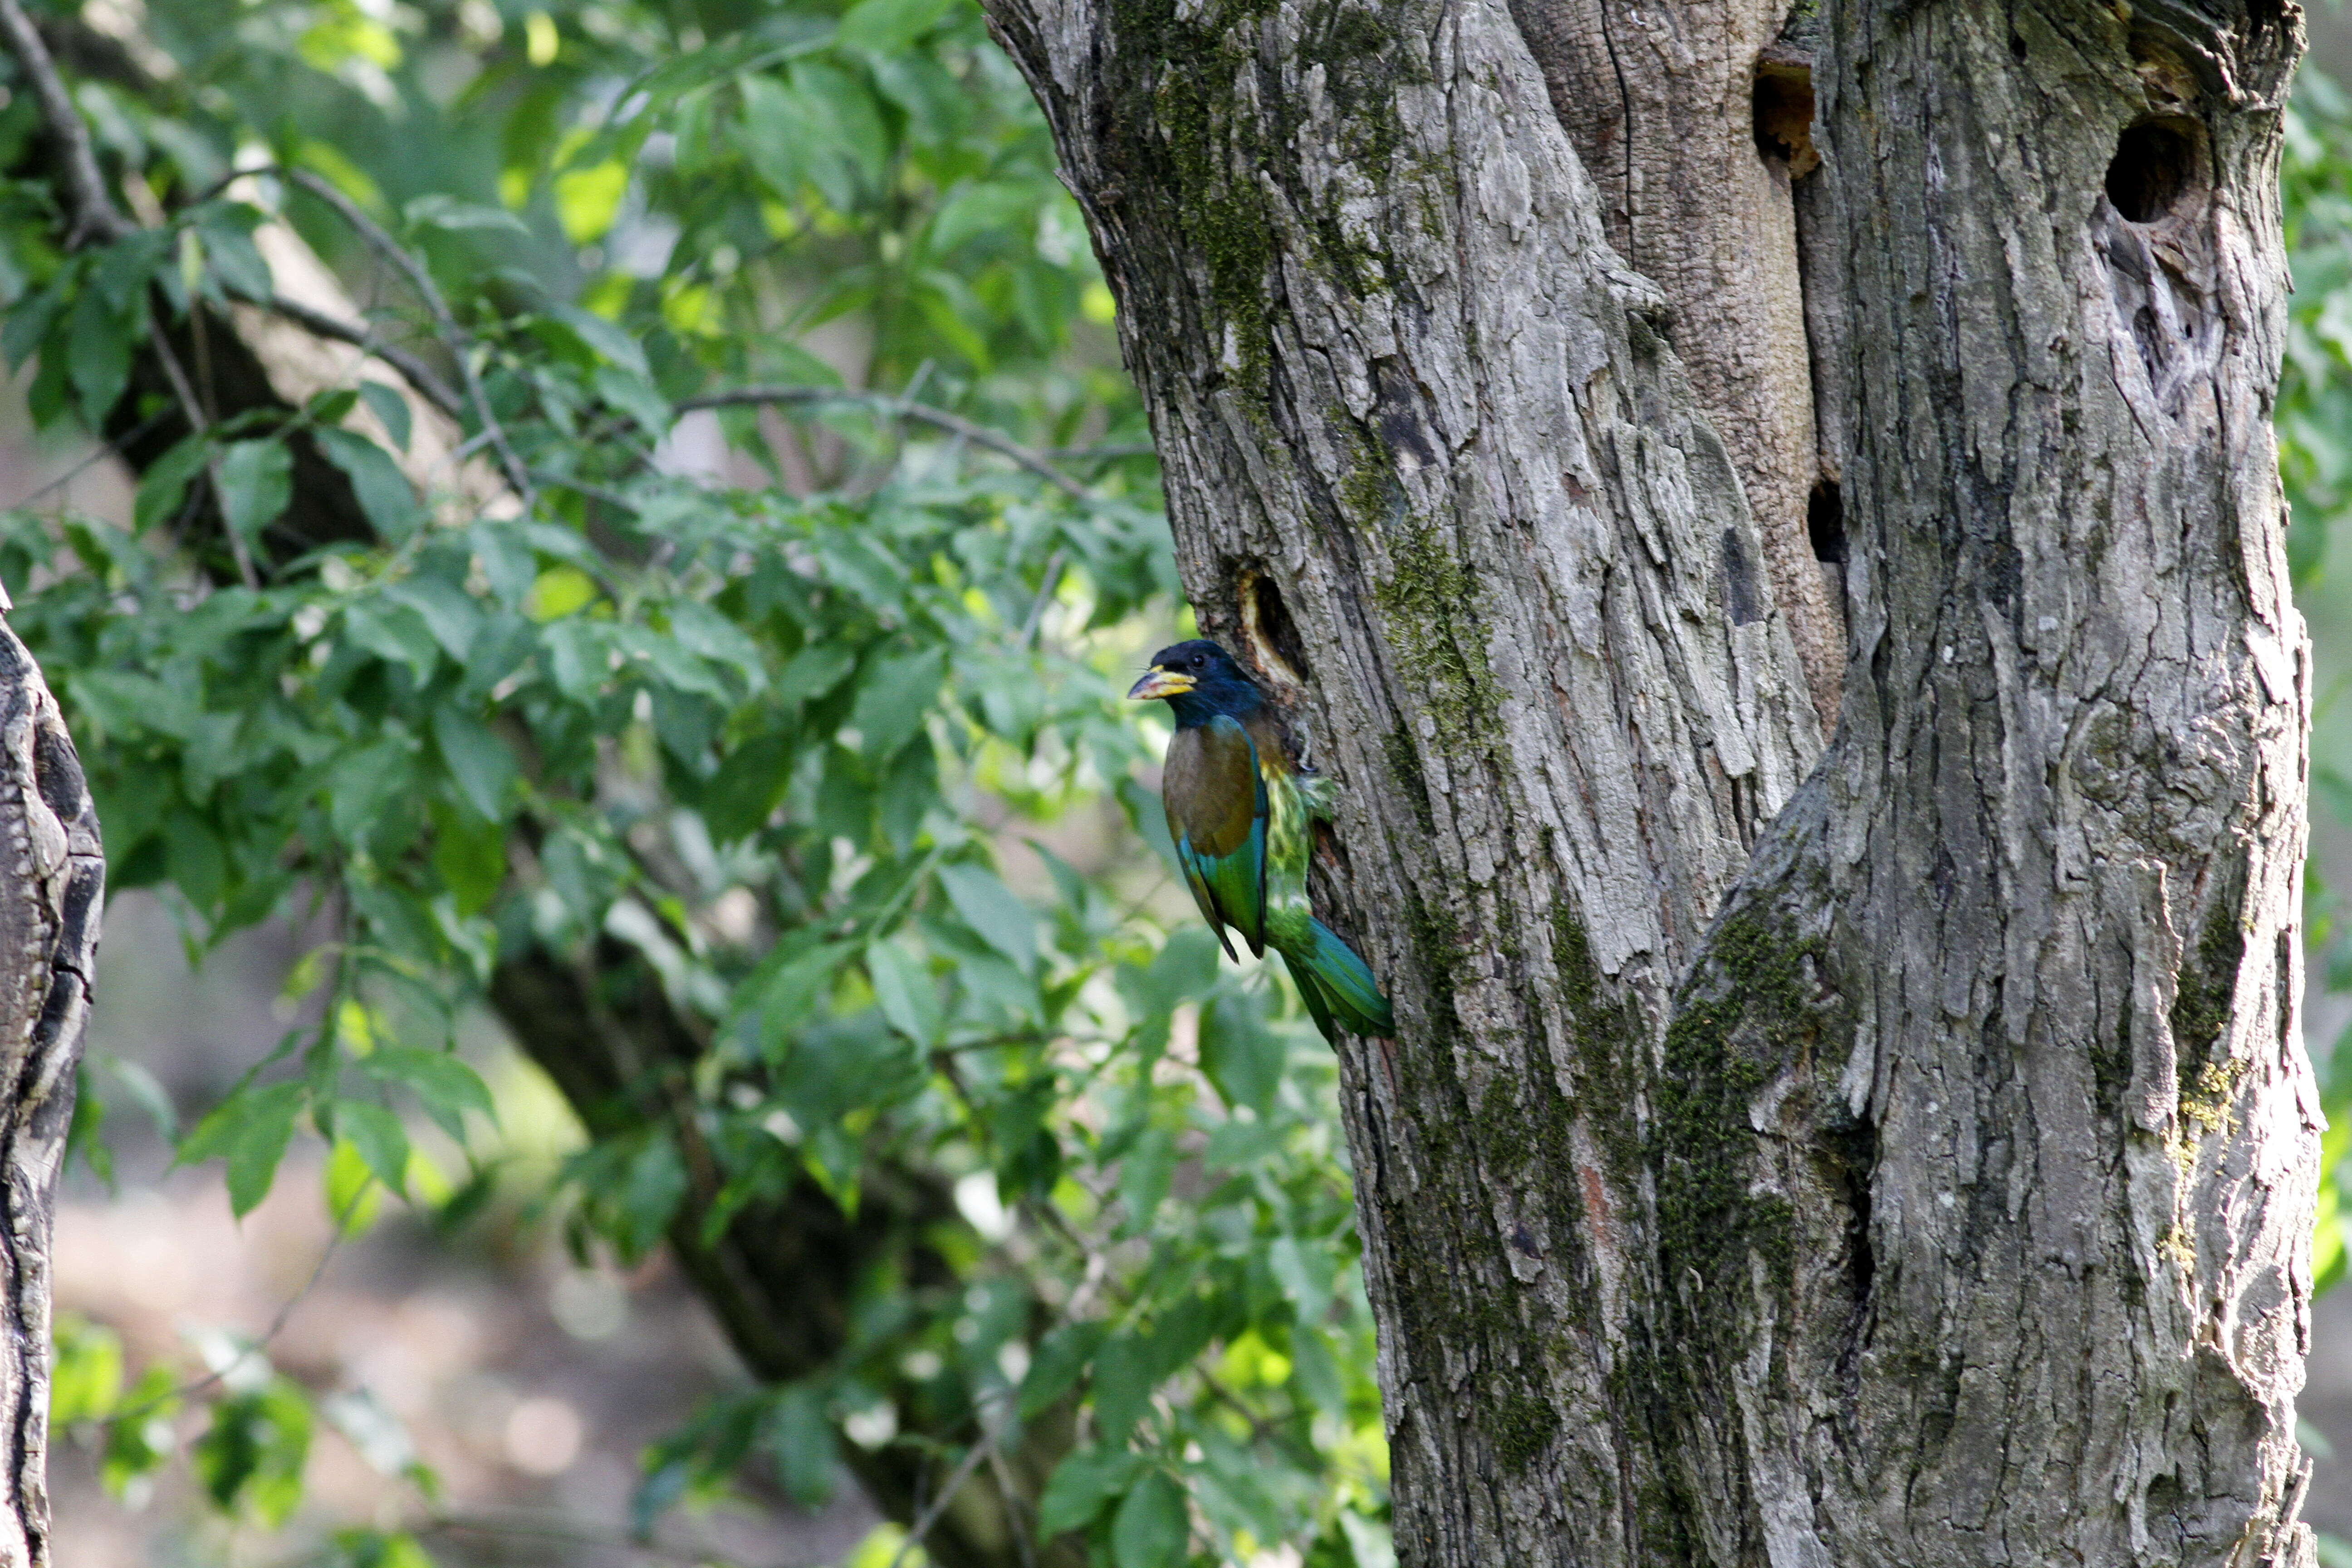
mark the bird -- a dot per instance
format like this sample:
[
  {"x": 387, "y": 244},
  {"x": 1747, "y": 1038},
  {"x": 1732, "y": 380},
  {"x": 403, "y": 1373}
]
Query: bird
[{"x": 1241, "y": 813}]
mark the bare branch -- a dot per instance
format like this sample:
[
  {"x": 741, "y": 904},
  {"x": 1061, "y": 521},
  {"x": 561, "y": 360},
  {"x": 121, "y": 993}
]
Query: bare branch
[
  {"x": 99, "y": 454},
  {"x": 94, "y": 216},
  {"x": 459, "y": 343},
  {"x": 898, "y": 407},
  {"x": 413, "y": 370},
  {"x": 193, "y": 413}
]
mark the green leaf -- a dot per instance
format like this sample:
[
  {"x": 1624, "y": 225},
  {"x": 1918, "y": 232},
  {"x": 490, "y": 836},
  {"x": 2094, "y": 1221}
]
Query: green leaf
[
  {"x": 139, "y": 1445},
  {"x": 1317, "y": 1371},
  {"x": 233, "y": 257},
  {"x": 97, "y": 349},
  {"x": 253, "y": 1454},
  {"x": 886, "y": 27},
  {"x": 980, "y": 209},
  {"x": 1240, "y": 1054},
  {"x": 256, "y": 481},
  {"x": 748, "y": 788},
  {"x": 125, "y": 268},
  {"x": 994, "y": 915},
  {"x": 381, "y": 490},
  {"x": 588, "y": 199},
  {"x": 469, "y": 853},
  {"x": 453, "y": 615},
  {"x": 776, "y": 133},
  {"x": 813, "y": 671},
  {"x": 29, "y": 319},
  {"x": 381, "y": 1139},
  {"x": 164, "y": 486},
  {"x": 791, "y": 990},
  {"x": 903, "y": 986},
  {"x": 1061, "y": 1358},
  {"x": 353, "y": 1195},
  {"x": 1082, "y": 1486},
  {"x": 1122, "y": 1386},
  {"x": 909, "y": 789},
  {"x": 850, "y": 125},
  {"x": 560, "y": 591},
  {"x": 635, "y": 396},
  {"x": 437, "y": 210},
  {"x": 443, "y": 1084},
  {"x": 250, "y": 1129},
  {"x": 607, "y": 337},
  {"x": 801, "y": 1438},
  {"x": 1143, "y": 1179},
  {"x": 375, "y": 1549},
  {"x": 1306, "y": 1274},
  {"x": 892, "y": 697},
  {"x": 391, "y": 409},
  {"x": 1152, "y": 1526},
  {"x": 394, "y": 632},
  {"x": 478, "y": 761},
  {"x": 85, "y": 1371}
]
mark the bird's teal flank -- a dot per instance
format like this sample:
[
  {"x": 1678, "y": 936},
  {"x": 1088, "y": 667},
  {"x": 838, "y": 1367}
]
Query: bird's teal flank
[{"x": 1242, "y": 818}]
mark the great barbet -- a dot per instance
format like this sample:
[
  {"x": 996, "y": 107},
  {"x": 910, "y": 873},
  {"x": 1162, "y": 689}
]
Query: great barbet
[{"x": 1241, "y": 814}]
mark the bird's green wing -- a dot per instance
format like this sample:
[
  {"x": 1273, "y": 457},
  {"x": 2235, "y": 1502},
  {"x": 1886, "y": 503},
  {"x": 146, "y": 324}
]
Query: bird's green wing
[{"x": 1216, "y": 808}]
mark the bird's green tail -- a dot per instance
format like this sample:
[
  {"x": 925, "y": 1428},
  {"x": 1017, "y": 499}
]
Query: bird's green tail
[{"x": 1337, "y": 986}]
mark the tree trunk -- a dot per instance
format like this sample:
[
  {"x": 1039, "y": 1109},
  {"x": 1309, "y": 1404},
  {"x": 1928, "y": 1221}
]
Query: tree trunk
[
  {"x": 1898, "y": 1153},
  {"x": 52, "y": 882}
]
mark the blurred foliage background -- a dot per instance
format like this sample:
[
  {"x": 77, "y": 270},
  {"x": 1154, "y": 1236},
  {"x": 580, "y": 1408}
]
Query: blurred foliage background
[
  {"x": 700, "y": 661},
  {"x": 653, "y": 722}
]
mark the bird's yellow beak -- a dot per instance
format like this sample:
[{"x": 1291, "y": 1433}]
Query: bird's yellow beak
[{"x": 1160, "y": 683}]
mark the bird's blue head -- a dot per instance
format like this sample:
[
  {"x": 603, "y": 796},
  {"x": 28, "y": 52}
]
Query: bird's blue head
[{"x": 1199, "y": 681}]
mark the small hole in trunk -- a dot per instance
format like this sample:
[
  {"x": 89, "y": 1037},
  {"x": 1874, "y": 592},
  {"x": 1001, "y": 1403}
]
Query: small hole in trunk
[
  {"x": 1825, "y": 522},
  {"x": 1273, "y": 637},
  {"x": 2154, "y": 167},
  {"x": 1784, "y": 117}
]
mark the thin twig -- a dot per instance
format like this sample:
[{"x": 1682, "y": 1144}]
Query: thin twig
[
  {"x": 602, "y": 493},
  {"x": 1051, "y": 579},
  {"x": 528, "y": 1527},
  {"x": 277, "y": 1324},
  {"x": 1024, "y": 1524},
  {"x": 413, "y": 370},
  {"x": 1108, "y": 452},
  {"x": 194, "y": 414},
  {"x": 104, "y": 450},
  {"x": 459, "y": 344},
  {"x": 954, "y": 1484},
  {"x": 94, "y": 214},
  {"x": 896, "y": 407},
  {"x": 994, "y": 1433}
]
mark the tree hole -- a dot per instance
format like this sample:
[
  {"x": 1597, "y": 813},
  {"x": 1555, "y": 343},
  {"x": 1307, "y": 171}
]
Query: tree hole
[
  {"x": 2154, "y": 167},
  {"x": 1784, "y": 116},
  {"x": 1825, "y": 522},
  {"x": 1273, "y": 636}
]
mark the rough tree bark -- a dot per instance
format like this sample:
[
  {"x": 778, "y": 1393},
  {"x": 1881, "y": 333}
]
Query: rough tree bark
[
  {"x": 1897, "y": 1153},
  {"x": 52, "y": 887}
]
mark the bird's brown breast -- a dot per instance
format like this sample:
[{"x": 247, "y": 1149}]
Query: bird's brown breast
[{"x": 1210, "y": 789}]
